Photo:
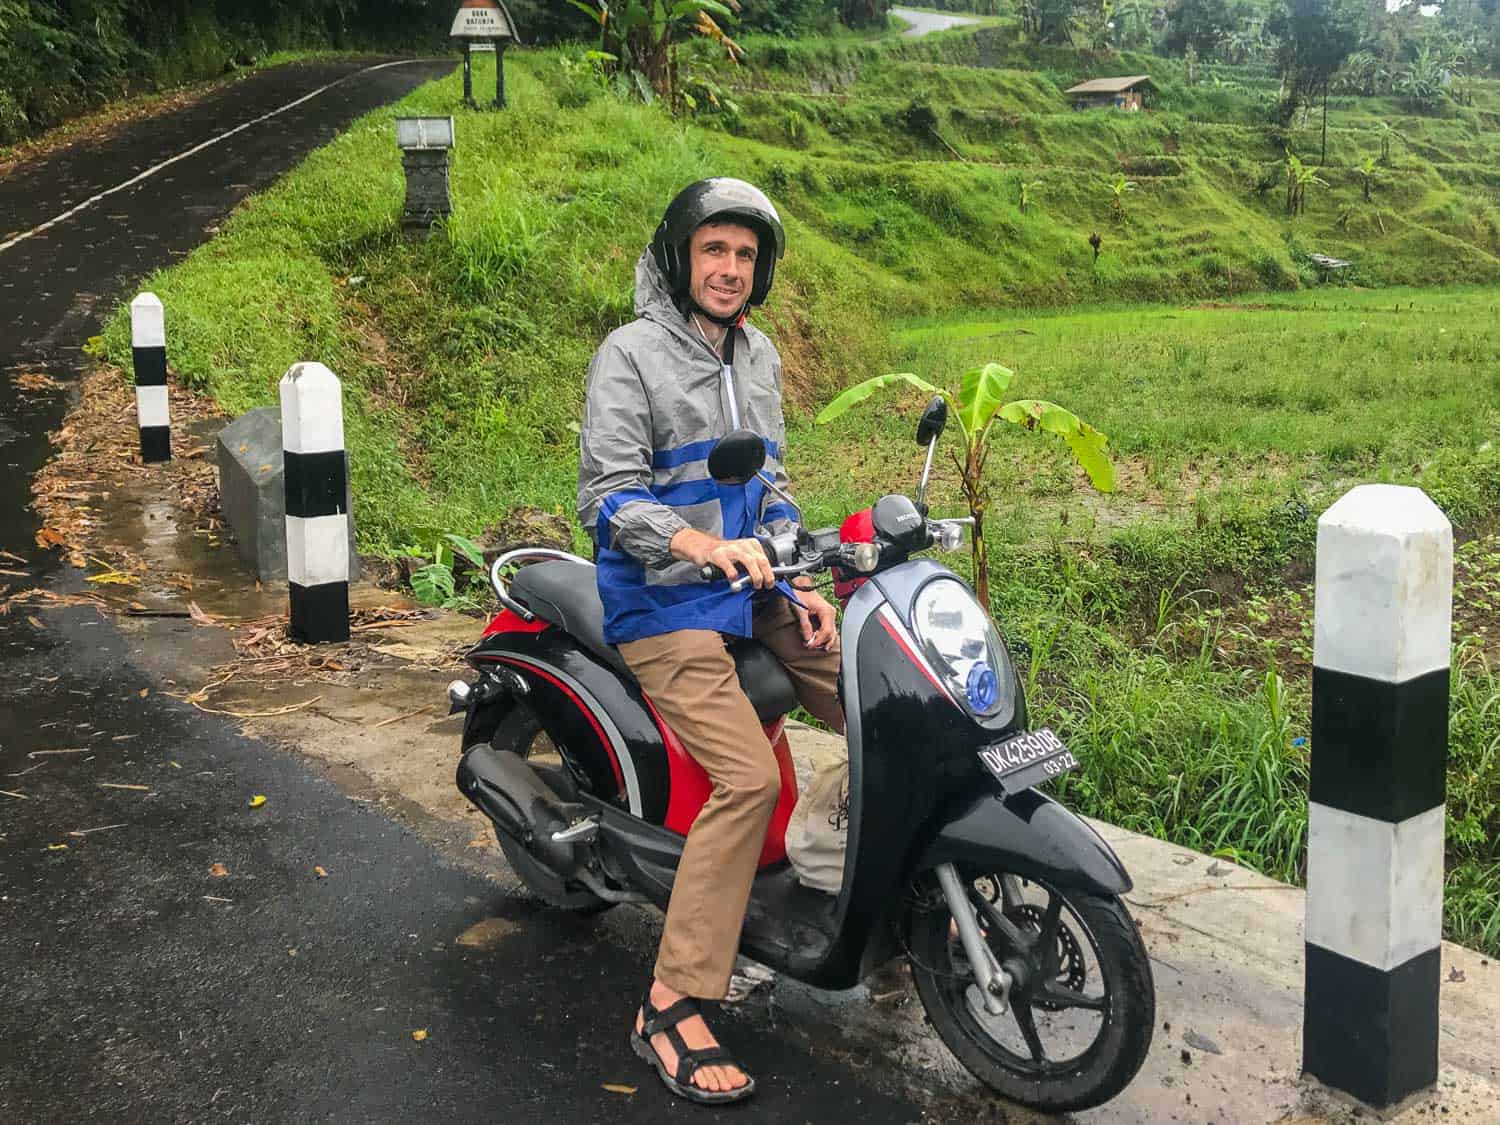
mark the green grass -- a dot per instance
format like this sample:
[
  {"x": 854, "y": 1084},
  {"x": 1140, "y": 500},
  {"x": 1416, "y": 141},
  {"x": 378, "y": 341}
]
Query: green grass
[{"x": 1162, "y": 628}]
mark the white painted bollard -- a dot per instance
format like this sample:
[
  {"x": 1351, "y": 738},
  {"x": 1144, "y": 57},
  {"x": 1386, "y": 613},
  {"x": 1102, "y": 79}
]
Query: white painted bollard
[
  {"x": 317, "y": 520},
  {"x": 1383, "y": 623},
  {"x": 148, "y": 352}
]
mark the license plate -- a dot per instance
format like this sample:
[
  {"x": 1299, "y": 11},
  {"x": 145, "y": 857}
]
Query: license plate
[{"x": 1028, "y": 759}]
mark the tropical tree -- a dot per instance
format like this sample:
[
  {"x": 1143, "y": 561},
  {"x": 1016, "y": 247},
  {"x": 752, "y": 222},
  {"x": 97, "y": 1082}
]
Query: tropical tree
[
  {"x": 1027, "y": 191},
  {"x": 1314, "y": 38},
  {"x": 1050, "y": 21},
  {"x": 980, "y": 405},
  {"x": 863, "y": 13},
  {"x": 1364, "y": 73},
  {"x": 1096, "y": 26},
  {"x": 1134, "y": 23},
  {"x": 1243, "y": 42},
  {"x": 1119, "y": 187},
  {"x": 1424, "y": 80},
  {"x": 641, "y": 35},
  {"x": 1386, "y": 133},
  {"x": 1298, "y": 177},
  {"x": 1368, "y": 174}
]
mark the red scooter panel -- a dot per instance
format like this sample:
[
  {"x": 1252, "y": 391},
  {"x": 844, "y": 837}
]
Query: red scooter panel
[
  {"x": 509, "y": 621},
  {"x": 690, "y": 787}
]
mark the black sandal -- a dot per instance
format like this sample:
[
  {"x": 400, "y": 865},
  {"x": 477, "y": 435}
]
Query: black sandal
[{"x": 665, "y": 1021}]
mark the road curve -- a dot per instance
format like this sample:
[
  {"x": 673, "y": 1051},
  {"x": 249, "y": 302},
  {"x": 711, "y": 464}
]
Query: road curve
[{"x": 923, "y": 23}]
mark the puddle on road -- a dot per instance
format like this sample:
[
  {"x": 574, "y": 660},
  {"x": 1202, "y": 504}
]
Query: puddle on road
[
  {"x": 488, "y": 934},
  {"x": 183, "y": 561}
]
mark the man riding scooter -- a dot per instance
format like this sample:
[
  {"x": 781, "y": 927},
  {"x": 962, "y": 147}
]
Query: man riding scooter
[{"x": 661, "y": 391}]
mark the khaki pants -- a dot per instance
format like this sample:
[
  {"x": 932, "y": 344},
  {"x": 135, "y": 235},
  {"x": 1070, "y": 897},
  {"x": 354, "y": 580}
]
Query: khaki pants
[{"x": 690, "y": 677}]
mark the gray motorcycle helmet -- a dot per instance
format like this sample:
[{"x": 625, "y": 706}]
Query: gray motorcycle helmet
[{"x": 721, "y": 199}]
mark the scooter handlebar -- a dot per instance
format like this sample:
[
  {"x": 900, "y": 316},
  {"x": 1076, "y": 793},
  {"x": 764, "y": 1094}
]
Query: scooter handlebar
[{"x": 743, "y": 583}]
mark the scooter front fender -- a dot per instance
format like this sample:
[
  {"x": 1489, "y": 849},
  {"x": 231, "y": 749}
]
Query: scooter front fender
[{"x": 1029, "y": 835}]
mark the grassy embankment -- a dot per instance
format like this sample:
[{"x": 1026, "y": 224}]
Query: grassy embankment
[{"x": 1163, "y": 628}]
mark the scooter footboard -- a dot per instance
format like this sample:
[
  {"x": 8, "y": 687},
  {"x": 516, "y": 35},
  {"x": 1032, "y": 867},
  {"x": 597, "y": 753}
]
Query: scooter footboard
[{"x": 1029, "y": 835}]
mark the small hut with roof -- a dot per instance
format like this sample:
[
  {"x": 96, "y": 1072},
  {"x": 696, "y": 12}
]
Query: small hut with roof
[{"x": 1128, "y": 93}]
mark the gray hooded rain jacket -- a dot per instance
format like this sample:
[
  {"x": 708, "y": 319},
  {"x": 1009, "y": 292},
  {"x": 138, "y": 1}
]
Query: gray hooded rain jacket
[{"x": 658, "y": 399}]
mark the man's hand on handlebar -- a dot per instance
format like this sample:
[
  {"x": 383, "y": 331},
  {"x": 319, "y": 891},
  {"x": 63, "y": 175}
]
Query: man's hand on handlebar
[{"x": 731, "y": 556}]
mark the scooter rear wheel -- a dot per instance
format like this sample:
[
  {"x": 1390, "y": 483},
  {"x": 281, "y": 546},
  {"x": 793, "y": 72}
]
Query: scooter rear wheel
[
  {"x": 520, "y": 733},
  {"x": 1081, "y": 1010}
]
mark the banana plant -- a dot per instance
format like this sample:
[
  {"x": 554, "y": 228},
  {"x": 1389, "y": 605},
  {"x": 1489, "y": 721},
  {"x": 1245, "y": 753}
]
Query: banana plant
[
  {"x": 1119, "y": 187},
  {"x": 641, "y": 35},
  {"x": 1368, "y": 173},
  {"x": 1028, "y": 191},
  {"x": 1298, "y": 176},
  {"x": 980, "y": 405}
]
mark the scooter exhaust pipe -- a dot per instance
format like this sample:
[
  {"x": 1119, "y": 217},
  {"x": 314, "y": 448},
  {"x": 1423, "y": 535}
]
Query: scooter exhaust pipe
[{"x": 519, "y": 803}]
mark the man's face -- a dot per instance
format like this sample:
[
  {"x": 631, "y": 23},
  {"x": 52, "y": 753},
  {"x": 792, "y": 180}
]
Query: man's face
[{"x": 722, "y": 256}]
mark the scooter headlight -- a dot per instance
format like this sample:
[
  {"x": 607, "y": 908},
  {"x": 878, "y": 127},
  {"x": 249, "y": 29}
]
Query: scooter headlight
[{"x": 960, "y": 642}]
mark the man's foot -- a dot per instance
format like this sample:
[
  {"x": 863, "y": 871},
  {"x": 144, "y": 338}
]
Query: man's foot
[{"x": 713, "y": 1078}]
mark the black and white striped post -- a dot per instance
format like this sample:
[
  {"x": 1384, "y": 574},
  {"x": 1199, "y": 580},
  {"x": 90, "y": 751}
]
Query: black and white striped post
[
  {"x": 1384, "y": 605},
  {"x": 148, "y": 352},
  {"x": 317, "y": 519}
]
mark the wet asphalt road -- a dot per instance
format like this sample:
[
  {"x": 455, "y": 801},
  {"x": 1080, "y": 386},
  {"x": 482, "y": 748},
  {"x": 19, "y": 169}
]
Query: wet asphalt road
[{"x": 134, "y": 985}]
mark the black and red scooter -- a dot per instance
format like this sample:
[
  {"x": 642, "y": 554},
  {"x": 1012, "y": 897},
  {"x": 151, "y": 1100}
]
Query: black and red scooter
[{"x": 1006, "y": 904}]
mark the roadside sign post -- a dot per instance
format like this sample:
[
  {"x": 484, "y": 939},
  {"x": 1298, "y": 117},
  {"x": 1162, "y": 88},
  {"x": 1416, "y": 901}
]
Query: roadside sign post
[
  {"x": 487, "y": 22},
  {"x": 425, "y": 144},
  {"x": 1381, "y": 635},
  {"x": 148, "y": 348},
  {"x": 317, "y": 497}
]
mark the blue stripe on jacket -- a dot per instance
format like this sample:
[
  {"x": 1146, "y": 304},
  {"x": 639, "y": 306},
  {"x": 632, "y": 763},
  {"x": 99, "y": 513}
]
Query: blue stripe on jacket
[
  {"x": 632, "y": 608},
  {"x": 694, "y": 451}
]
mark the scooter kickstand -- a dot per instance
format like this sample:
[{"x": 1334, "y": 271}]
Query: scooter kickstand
[
  {"x": 994, "y": 981},
  {"x": 580, "y": 831}
]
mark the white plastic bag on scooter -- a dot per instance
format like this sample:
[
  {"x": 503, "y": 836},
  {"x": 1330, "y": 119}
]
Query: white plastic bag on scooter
[{"x": 818, "y": 834}]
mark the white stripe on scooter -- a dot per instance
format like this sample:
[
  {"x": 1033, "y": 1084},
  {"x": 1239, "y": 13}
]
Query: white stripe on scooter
[
  {"x": 617, "y": 740},
  {"x": 889, "y": 615}
]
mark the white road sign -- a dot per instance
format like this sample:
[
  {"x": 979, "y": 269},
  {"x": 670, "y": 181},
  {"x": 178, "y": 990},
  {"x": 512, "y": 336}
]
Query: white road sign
[{"x": 489, "y": 21}]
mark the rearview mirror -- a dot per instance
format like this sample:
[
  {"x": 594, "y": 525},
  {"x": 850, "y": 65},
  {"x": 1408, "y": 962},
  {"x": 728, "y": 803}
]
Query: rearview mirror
[
  {"x": 934, "y": 418},
  {"x": 737, "y": 457}
]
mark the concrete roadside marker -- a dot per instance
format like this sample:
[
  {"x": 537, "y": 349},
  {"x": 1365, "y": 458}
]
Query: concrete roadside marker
[
  {"x": 148, "y": 351},
  {"x": 317, "y": 519},
  {"x": 1382, "y": 633}
]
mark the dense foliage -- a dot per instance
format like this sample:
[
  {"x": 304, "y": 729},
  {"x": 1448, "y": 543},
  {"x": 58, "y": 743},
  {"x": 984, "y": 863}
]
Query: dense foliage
[{"x": 60, "y": 56}]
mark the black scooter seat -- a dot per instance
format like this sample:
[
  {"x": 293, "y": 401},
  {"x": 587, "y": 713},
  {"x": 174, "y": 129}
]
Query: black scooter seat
[{"x": 565, "y": 593}]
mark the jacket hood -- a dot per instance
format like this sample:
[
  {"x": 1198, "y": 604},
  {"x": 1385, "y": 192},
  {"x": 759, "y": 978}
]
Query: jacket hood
[{"x": 653, "y": 300}]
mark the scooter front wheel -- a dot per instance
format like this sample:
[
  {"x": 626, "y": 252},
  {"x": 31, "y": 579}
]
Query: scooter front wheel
[{"x": 1081, "y": 1004}]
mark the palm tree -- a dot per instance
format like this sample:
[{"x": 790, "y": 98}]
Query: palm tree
[{"x": 1119, "y": 187}]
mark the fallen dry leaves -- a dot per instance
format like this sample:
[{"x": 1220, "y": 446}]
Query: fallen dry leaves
[
  {"x": 218, "y": 871},
  {"x": 97, "y": 466},
  {"x": 35, "y": 382},
  {"x": 98, "y": 450}
]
